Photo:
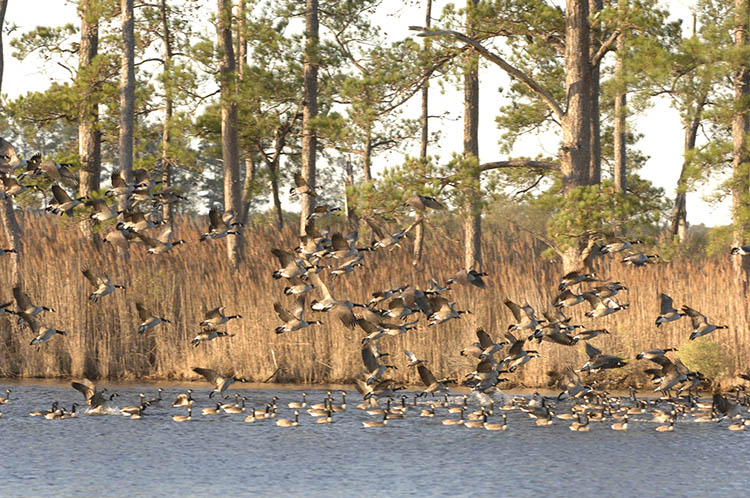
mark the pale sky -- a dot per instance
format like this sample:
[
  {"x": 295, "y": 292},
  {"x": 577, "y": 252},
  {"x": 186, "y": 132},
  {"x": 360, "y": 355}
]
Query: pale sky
[{"x": 663, "y": 133}]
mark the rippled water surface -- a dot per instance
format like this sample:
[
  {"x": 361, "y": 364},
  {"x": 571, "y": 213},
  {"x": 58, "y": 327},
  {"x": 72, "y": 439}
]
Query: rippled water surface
[{"x": 219, "y": 455}]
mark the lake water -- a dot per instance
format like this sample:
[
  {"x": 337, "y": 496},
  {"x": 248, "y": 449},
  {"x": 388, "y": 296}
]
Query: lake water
[{"x": 222, "y": 455}]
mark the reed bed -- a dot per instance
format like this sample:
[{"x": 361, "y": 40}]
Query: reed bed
[{"x": 103, "y": 342}]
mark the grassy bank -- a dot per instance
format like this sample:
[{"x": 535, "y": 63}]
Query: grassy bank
[{"x": 102, "y": 341}]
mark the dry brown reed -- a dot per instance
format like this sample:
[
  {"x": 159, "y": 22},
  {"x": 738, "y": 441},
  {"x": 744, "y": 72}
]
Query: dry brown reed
[{"x": 102, "y": 340}]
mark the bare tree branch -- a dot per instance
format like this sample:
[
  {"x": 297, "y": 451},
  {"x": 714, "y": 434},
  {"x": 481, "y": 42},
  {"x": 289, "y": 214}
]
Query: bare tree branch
[
  {"x": 520, "y": 163},
  {"x": 492, "y": 57}
]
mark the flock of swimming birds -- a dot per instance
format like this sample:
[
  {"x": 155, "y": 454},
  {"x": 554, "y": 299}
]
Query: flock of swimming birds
[{"x": 390, "y": 312}]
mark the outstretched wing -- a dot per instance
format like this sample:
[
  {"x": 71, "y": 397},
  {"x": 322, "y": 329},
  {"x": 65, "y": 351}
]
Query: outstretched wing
[{"x": 427, "y": 377}]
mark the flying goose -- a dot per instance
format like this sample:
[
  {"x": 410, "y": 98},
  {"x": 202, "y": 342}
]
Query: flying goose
[
  {"x": 119, "y": 185},
  {"x": 63, "y": 203},
  {"x": 220, "y": 382},
  {"x": 575, "y": 277},
  {"x": 301, "y": 186},
  {"x": 343, "y": 248},
  {"x": 667, "y": 313},
  {"x": 618, "y": 246},
  {"x": 220, "y": 225},
  {"x": 587, "y": 335},
  {"x": 208, "y": 334},
  {"x": 422, "y": 202},
  {"x": 567, "y": 299},
  {"x": 373, "y": 367},
  {"x": 639, "y": 259},
  {"x": 602, "y": 307},
  {"x": 413, "y": 360},
  {"x": 610, "y": 289},
  {"x": 380, "y": 296},
  {"x": 525, "y": 317},
  {"x": 432, "y": 385},
  {"x": 23, "y": 303},
  {"x": 101, "y": 285},
  {"x": 741, "y": 250},
  {"x": 11, "y": 187},
  {"x": 102, "y": 211},
  {"x": 161, "y": 244},
  {"x": 291, "y": 266},
  {"x": 293, "y": 320},
  {"x": 297, "y": 286},
  {"x": 384, "y": 388},
  {"x": 654, "y": 353},
  {"x": 93, "y": 397},
  {"x": 443, "y": 310},
  {"x": 468, "y": 277},
  {"x": 382, "y": 241},
  {"x": 217, "y": 316},
  {"x": 347, "y": 266},
  {"x": 283, "y": 422},
  {"x": 322, "y": 210},
  {"x": 700, "y": 323},
  {"x": 599, "y": 361},
  {"x": 118, "y": 238},
  {"x": 148, "y": 319},
  {"x": 43, "y": 334},
  {"x": 137, "y": 222}
]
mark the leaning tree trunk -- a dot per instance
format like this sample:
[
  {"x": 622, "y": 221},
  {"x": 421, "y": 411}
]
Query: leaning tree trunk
[
  {"x": 678, "y": 225},
  {"x": 741, "y": 149},
  {"x": 89, "y": 143},
  {"x": 416, "y": 259},
  {"x": 7, "y": 215},
  {"x": 471, "y": 209},
  {"x": 229, "y": 140},
  {"x": 574, "y": 157},
  {"x": 248, "y": 161},
  {"x": 166, "y": 136},
  {"x": 595, "y": 161},
  {"x": 620, "y": 100},
  {"x": 127, "y": 95},
  {"x": 310, "y": 108}
]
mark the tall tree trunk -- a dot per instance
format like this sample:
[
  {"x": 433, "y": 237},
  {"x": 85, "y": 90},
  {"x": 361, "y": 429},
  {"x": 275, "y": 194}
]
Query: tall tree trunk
[
  {"x": 741, "y": 149},
  {"x": 576, "y": 126},
  {"x": 310, "y": 107},
  {"x": 595, "y": 161},
  {"x": 7, "y": 215},
  {"x": 620, "y": 100},
  {"x": 229, "y": 141},
  {"x": 127, "y": 94},
  {"x": 416, "y": 259},
  {"x": 367, "y": 156},
  {"x": 166, "y": 139},
  {"x": 472, "y": 210},
  {"x": 678, "y": 225},
  {"x": 248, "y": 161},
  {"x": 273, "y": 169},
  {"x": 89, "y": 142}
]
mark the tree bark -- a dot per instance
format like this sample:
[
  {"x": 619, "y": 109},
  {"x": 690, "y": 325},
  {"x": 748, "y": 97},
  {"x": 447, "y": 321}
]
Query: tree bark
[
  {"x": 127, "y": 95},
  {"x": 229, "y": 140},
  {"x": 595, "y": 162},
  {"x": 7, "y": 215},
  {"x": 166, "y": 138},
  {"x": 472, "y": 207},
  {"x": 416, "y": 259},
  {"x": 89, "y": 136},
  {"x": 248, "y": 161},
  {"x": 678, "y": 226},
  {"x": 741, "y": 154},
  {"x": 620, "y": 159},
  {"x": 310, "y": 108}
]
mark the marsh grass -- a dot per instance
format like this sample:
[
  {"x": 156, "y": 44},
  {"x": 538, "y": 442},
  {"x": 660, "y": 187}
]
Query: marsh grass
[{"x": 102, "y": 340}]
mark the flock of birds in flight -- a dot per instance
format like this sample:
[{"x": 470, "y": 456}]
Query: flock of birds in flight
[{"x": 390, "y": 312}]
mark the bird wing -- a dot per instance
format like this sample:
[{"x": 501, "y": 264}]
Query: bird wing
[
  {"x": 299, "y": 307},
  {"x": 591, "y": 351},
  {"x": 484, "y": 339},
  {"x": 368, "y": 358},
  {"x": 516, "y": 309},
  {"x": 375, "y": 228},
  {"x": 214, "y": 219},
  {"x": 427, "y": 377},
  {"x": 283, "y": 313},
  {"x": 210, "y": 375},
  {"x": 228, "y": 217},
  {"x": 22, "y": 300},
  {"x": 696, "y": 317},
  {"x": 143, "y": 313},
  {"x": 299, "y": 181},
  {"x": 214, "y": 313},
  {"x": 91, "y": 277},
  {"x": 592, "y": 298},
  {"x": 60, "y": 195},
  {"x": 165, "y": 235},
  {"x": 33, "y": 324},
  {"x": 339, "y": 243},
  {"x": 666, "y": 304},
  {"x": 147, "y": 240},
  {"x": 411, "y": 356},
  {"x": 367, "y": 326},
  {"x": 284, "y": 257},
  {"x": 85, "y": 387}
]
